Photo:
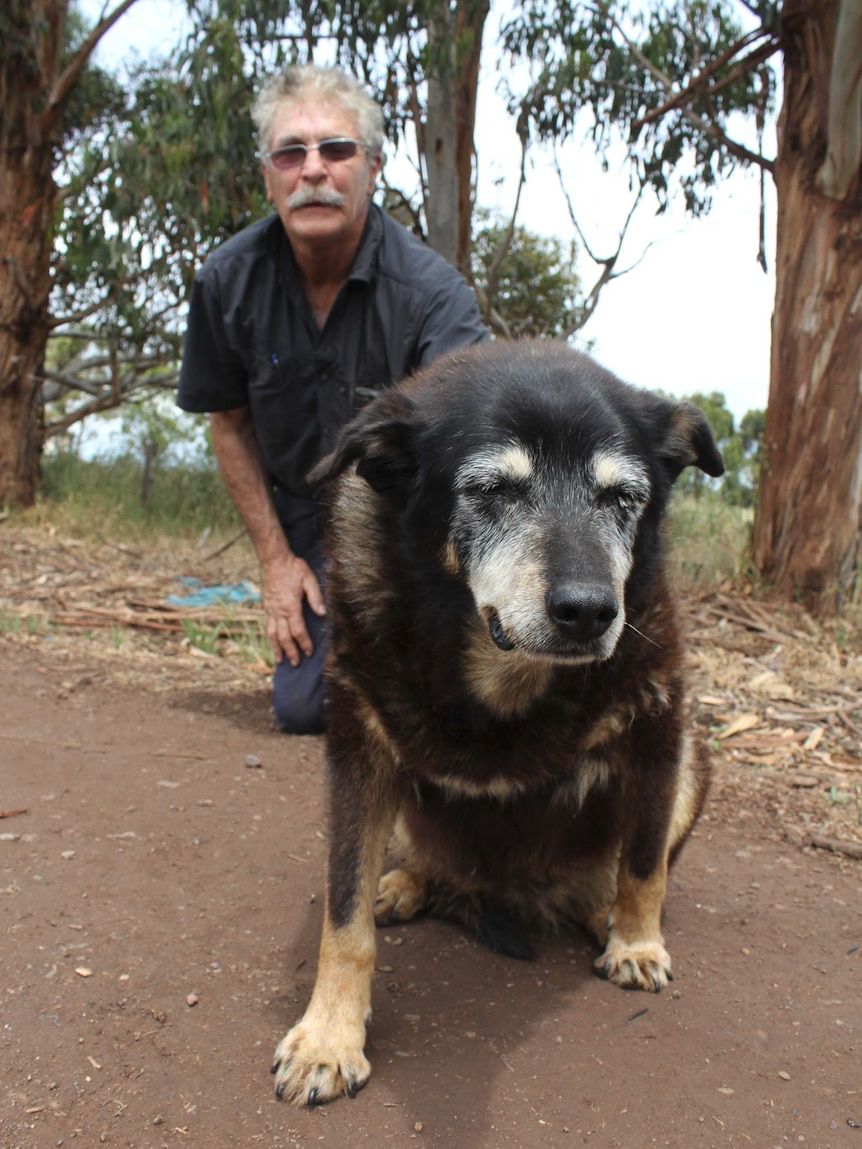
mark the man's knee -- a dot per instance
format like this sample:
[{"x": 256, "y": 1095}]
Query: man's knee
[{"x": 299, "y": 698}]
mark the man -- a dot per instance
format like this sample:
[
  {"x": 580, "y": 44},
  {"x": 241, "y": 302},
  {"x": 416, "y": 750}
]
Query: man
[{"x": 294, "y": 323}]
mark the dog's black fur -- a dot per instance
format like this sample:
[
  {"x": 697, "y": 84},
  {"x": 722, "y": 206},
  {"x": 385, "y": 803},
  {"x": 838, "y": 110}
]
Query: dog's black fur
[{"x": 504, "y": 674}]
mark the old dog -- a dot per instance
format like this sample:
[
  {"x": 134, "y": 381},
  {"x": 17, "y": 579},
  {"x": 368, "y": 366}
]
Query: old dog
[{"x": 506, "y": 696}]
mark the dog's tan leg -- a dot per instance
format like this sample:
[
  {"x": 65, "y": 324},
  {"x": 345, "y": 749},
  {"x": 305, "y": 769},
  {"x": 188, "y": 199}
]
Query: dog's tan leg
[
  {"x": 664, "y": 803},
  {"x": 323, "y": 1057},
  {"x": 635, "y": 957}
]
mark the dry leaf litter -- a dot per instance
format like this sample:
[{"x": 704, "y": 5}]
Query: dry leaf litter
[{"x": 777, "y": 694}]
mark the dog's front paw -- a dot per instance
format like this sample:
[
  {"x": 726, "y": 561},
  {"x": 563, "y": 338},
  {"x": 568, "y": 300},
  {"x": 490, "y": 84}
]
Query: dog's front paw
[
  {"x": 636, "y": 965},
  {"x": 401, "y": 894},
  {"x": 316, "y": 1063}
]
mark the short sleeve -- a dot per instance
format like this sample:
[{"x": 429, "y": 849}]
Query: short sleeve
[
  {"x": 213, "y": 376},
  {"x": 451, "y": 320}
]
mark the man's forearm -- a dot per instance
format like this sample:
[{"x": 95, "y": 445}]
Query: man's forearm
[
  {"x": 288, "y": 581},
  {"x": 247, "y": 483}
]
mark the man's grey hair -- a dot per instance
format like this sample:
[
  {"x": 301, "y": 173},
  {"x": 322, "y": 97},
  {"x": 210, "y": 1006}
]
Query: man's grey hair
[{"x": 328, "y": 84}]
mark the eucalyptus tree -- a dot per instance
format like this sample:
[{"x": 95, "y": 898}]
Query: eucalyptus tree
[
  {"x": 39, "y": 81},
  {"x": 686, "y": 87},
  {"x": 673, "y": 81}
]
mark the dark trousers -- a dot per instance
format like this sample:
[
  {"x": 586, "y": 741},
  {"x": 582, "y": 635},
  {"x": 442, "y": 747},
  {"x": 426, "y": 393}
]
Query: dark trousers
[{"x": 298, "y": 692}]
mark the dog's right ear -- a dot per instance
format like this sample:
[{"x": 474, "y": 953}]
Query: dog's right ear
[{"x": 380, "y": 440}]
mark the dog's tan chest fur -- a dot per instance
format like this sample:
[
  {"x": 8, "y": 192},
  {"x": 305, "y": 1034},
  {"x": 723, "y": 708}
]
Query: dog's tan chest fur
[{"x": 507, "y": 682}]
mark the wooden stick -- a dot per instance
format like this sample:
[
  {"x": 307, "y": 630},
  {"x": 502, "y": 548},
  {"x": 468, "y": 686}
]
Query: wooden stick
[{"x": 837, "y": 846}]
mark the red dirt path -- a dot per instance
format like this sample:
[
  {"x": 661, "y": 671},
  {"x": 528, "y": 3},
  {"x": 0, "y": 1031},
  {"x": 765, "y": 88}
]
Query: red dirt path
[{"x": 155, "y": 858}]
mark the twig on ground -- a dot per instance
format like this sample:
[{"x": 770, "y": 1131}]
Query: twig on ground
[
  {"x": 225, "y": 546},
  {"x": 837, "y": 846}
]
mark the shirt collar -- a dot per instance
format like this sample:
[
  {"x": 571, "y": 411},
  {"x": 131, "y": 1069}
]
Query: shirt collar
[
  {"x": 365, "y": 261},
  {"x": 364, "y": 265}
]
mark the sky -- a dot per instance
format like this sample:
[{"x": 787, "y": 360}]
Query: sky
[{"x": 693, "y": 316}]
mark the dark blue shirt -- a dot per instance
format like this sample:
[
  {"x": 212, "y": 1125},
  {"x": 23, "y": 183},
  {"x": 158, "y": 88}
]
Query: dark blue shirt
[{"x": 252, "y": 339}]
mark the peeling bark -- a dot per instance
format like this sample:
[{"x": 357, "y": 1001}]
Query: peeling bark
[
  {"x": 29, "y": 62},
  {"x": 454, "y": 46},
  {"x": 35, "y": 83},
  {"x": 470, "y": 24},
  {"x": 809, "y": 512},
  {"x": 441, "y": 207}
]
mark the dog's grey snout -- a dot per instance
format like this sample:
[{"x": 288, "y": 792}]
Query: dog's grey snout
[{"x": 582, "y": 610}]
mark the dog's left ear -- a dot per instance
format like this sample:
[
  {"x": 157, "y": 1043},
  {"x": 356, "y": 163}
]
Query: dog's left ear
[
  {"x": 687, "y": 441},
  {"x": 380, "y": 440}
]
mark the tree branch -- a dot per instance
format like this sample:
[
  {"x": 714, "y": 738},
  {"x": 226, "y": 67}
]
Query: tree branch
[
  {"x": 109, "y": 400},
  {"x": 688, "y": 93},
  {"x": 506, "y": 241},
  {"x": 712, "y": 130},
  {"x": 67, "y": 78},
  {"x": 608, "y": 263},
  {"x": 490, "y": 314},
  {"x": 414, "y": 106},
  {"x": 62, "y": 381},
  {"x": 400, "y": 202},
  {"x": 105, "y": 403},
  {"x": 59, "y": 320}
]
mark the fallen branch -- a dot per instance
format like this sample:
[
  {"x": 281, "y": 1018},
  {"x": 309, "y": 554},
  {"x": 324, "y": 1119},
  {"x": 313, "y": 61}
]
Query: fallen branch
[
  {"x": 12, "y": 813},
  {"x": 167, "y": 624},
  {"x": 837, "y": 846},
  {"x": 225, "y": 546},
  {"x": 139, "y": 623}
]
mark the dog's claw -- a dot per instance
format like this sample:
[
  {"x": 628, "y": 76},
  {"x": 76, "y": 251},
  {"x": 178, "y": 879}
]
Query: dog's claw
[
  {"x": 644, "y": 966},
  {"x": 312, "y": 1069}
]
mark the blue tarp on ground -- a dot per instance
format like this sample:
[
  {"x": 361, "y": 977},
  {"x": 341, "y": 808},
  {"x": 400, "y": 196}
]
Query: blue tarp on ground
[{"x": 202, "y": 595}]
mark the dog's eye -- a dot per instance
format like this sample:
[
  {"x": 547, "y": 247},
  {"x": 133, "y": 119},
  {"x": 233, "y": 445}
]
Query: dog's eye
[
  {"x": 624, "y": 500},
  {"x": 494, "y": 489}
]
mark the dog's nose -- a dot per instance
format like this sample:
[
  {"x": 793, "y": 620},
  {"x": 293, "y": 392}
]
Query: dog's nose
[{"x": 583, "y": 611}]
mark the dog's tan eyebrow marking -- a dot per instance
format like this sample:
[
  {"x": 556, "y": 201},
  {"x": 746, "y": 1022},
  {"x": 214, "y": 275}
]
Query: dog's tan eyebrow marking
[
  {"x": 509, "y": 462},
  {"x": 612, "y": 469}
]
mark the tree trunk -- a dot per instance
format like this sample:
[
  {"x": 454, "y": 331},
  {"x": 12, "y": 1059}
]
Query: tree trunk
[
  {"x": 809, "y": 511},
  {"x": 148, "y": 471},
  {"x": 32, "y": 38},
  {"x": 470, "y": 24},
  {"x": 454, "y": 50},
  {"x": 441, "y": 208},
  {"x": 35, "y": 83}
]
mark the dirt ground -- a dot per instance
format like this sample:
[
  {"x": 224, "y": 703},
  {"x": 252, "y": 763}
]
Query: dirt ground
[{"x": 162, "y": 857}]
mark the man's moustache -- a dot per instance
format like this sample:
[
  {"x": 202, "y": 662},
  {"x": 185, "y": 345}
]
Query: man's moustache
[{"x": 305, "y": 197}]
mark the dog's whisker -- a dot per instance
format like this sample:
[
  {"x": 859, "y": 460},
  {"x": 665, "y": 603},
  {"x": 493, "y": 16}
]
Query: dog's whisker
[{"x": 645, "y": 637}]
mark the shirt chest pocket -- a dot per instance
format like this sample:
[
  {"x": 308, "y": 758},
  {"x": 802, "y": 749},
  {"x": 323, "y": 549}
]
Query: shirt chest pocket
[{"x": 281, "y": 389}]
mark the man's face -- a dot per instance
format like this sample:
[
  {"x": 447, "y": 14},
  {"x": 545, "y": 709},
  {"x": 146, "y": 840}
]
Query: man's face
[{"x": 306, "y": 122}]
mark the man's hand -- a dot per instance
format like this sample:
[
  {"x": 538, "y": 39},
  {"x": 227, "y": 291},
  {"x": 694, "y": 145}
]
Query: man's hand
[{"x": 286, "y": 585}]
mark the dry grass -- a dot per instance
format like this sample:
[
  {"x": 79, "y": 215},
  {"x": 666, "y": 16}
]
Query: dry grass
[{"x": 709, "y": 543}]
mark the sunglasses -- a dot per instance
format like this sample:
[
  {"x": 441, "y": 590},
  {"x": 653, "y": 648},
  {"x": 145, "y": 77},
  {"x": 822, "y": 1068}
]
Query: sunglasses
[{"x": 292, "y": 156}]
